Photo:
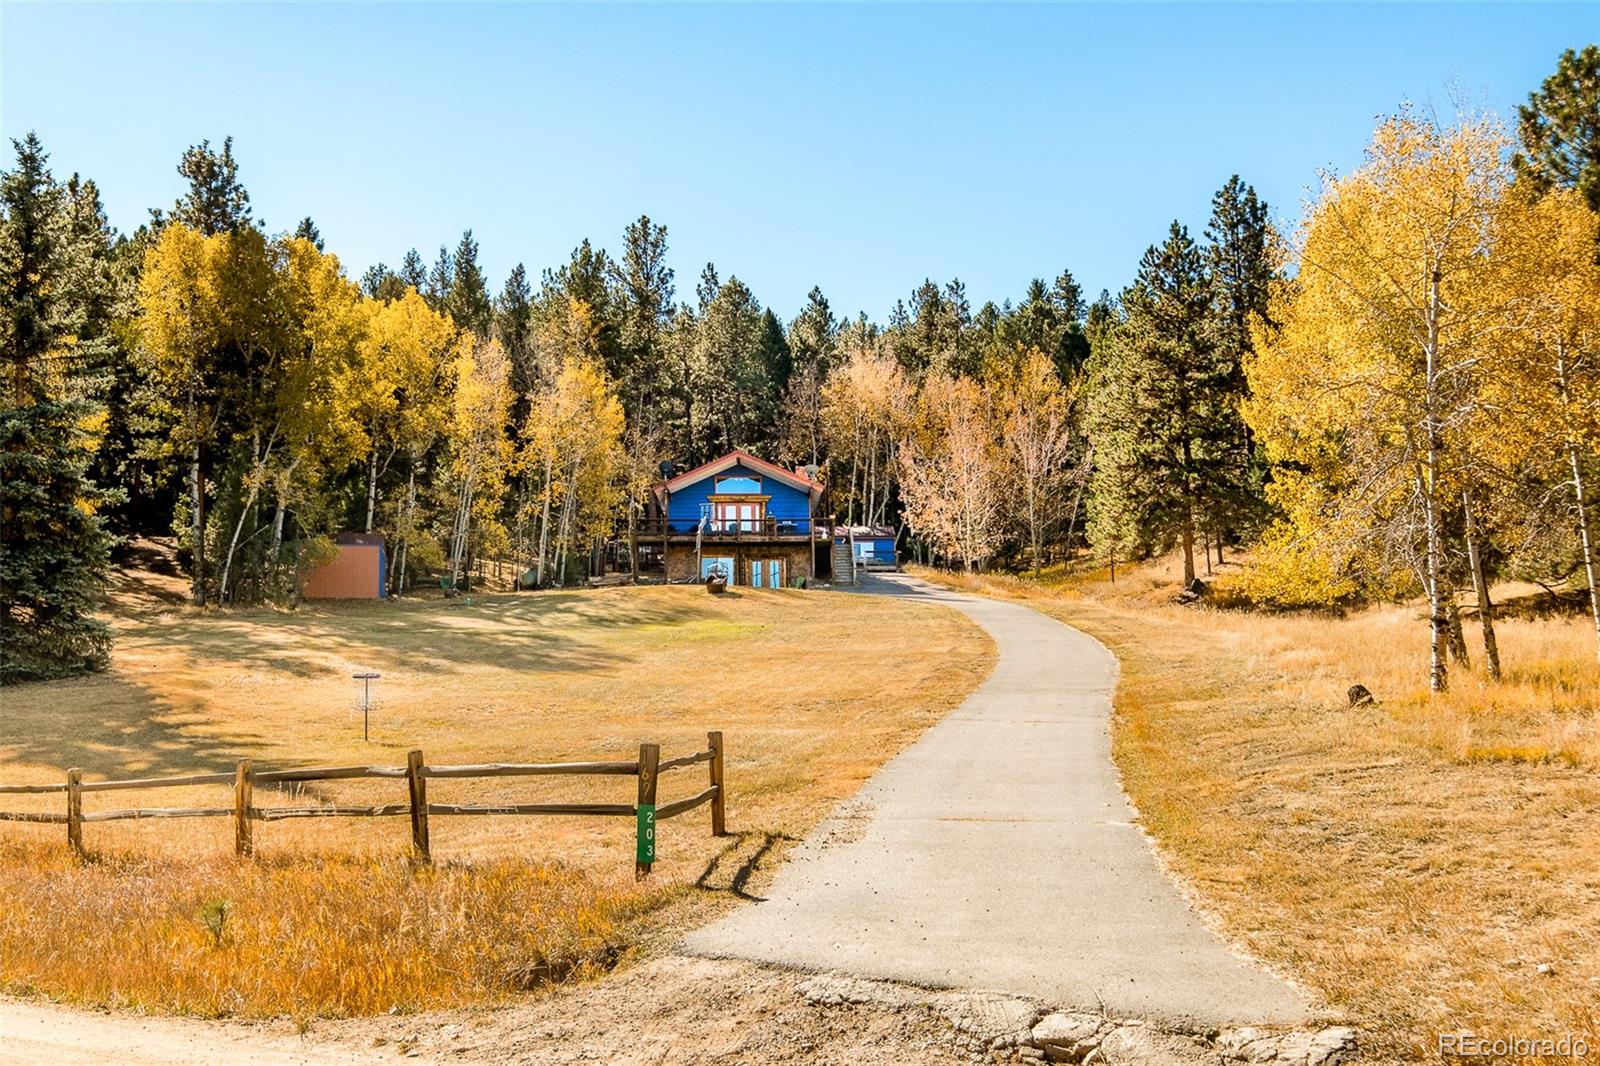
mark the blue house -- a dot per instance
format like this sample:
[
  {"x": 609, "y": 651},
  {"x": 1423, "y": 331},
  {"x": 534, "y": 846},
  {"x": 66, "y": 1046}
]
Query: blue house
[{"x": 743, "y": 517}]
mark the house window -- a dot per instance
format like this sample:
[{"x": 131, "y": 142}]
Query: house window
[
  {"x": 738, "y": 516},
  {"x": 741, "y": 483},
  {"x": 717, "y": 564}
]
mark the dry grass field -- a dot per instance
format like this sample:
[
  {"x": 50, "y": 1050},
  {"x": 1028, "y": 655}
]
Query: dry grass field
[
  {"x": 813, "y": 691},
  {"x": 1424, "y": 866}
]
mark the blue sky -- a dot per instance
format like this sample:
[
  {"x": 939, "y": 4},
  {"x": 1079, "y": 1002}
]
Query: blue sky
[{"x": 859, "y": 148}]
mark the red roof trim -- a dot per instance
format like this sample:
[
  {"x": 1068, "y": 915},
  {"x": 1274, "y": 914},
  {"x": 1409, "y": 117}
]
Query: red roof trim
[{"x": 736, "y": 457}]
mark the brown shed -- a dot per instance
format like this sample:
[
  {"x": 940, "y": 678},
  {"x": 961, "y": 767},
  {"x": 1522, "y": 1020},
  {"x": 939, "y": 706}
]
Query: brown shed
[{"x": 356, "y": 573}]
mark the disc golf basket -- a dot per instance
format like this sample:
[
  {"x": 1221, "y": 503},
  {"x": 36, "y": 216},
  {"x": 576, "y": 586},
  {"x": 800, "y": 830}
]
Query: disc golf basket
[{"x": 366, "y": 677}]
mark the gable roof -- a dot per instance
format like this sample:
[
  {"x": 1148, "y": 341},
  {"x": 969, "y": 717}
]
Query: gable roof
[{"x": 740, "y": 457}]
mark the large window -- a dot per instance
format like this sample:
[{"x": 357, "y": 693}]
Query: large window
[
  {"x": 737, "y": 516},
  {"x": 739, "y": 484}
]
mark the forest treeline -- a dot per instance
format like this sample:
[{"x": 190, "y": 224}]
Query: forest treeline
[{"x": 1402, "y": 395}]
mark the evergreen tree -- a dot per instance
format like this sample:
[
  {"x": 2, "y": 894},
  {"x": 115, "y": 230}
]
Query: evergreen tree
[
  {"x": 1161, "y": 416},
  {"x": 775, "y": 354},
  {"x": 1243, "y": 268},
  {"x": 513, "y": 327},
  {"x": 814, "y": 334},
  {"x": 381, "y": 283},
  {"x": 53, "y": 547},
  {"x": 644, "y": 285},
  {"x": 307, "y": 230},
  {"x": 216, "y": 201},
  {"x": 706, "y": 289},
  {"x": 1559, "y": 128},
  {"x": 467, "y": 296},
  {"x": 413, "y": 273},
  {"x": 739, "y": 402},
  {"x": 440, "y": 278}
]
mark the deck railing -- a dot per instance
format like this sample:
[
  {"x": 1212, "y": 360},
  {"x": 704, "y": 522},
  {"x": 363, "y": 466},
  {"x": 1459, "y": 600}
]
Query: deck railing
[
  {"x": 728, "y": 528},
  {"x": 416, "y": 773}
]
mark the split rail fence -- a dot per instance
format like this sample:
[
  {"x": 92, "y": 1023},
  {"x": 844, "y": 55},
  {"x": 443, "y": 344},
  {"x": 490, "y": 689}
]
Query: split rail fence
[{"x": 417, "y": 773}]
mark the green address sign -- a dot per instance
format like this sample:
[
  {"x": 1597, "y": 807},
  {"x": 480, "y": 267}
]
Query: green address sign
[{"x": 647, "y": 833}]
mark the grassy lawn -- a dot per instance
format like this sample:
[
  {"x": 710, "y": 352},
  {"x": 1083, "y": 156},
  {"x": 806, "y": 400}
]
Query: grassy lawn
[
  {"x": 813, "y": 691},
  {"x": 1427, "y": 865}
]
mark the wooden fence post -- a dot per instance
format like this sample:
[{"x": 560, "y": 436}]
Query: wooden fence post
[
  {"x": 719, "y": 804},
  {"x": 243, "y": 792},
  {"x": 75, "y": 809},
  {"x": 417, "y": 783},
  {"x": 649, "y": 760}
]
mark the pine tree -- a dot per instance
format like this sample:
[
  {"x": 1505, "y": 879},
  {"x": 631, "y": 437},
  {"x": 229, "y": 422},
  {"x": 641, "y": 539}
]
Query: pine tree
[
  {"x": 645, "y": 291},
  {"x": 378, "y": 282},
  {"x": 1160, "y": 420},
  {"x": 776, "y": 357},
  {"x": 440, "y": 278},
  {"x": 216, "y": 201},
  {"x": 513, "y": 327},
  {"x": 53, "y": 547},
  {"x": 1242, "y": 261},
  {"x": 467, "y": 299},
  {"x": 1559, "y": 128},
  {"x": 307, "y": 230},
  {"x": 413, "y": 273}
]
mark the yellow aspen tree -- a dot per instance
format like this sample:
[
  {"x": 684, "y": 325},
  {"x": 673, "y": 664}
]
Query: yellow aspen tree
[
  {"x": 573, "y": 442},
  {"x": 1034, "y": 412},
  {"x": 1373, "y": 370},
  {"x": 479, "y": 449},
  {"x": 179, "y": 323},
  {"x": 396, "y": 387},
  {"x": 1545, "y": 383},
  {"x": 950, "y": 470},
  {"x": 867, "y": 401}
]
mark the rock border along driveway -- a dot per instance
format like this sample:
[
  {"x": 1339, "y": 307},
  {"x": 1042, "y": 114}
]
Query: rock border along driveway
[{"x": 999, "y": 853}]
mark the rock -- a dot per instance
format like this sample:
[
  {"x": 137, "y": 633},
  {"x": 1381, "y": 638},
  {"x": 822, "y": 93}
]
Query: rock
[
  {"x": 1140, "y": 1045},
  {"x": 1360, "y": 696},
  {"x": 1333, "y": 1045},
  {"x": 1066, "y": 1029},
  {"x": 1326, "y": 1047},
  {"x": 1248, "y": 1044}
]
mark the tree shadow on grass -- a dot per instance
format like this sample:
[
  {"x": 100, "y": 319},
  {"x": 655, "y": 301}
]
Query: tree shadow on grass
[
  {"x": 437, "y": 637},
  {"x": 113, "y": 726},
  {"x": 108, "y": 726}
]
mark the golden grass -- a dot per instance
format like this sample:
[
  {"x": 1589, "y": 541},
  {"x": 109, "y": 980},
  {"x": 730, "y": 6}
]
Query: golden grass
[
  {"x": 1414, "y": 863},
  {"x": 812, "y": 690}
]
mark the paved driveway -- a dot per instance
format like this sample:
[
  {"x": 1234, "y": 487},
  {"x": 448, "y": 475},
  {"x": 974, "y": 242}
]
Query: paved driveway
[{"x": 999, "y": 853}]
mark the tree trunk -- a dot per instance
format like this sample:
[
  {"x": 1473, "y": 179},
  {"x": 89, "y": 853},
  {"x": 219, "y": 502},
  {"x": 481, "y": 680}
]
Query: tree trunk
[
  {"x": 257, "y": 463},
  {"x": 1438, "y": 665},
  {"x": 1458, "y": 636},
  {"x": 372, "y": 487},
  {"x": 544, "y": 523},
  {"x": 1480, "y": 584},
  {"x": 197, "y": 524},
  {"x": 1188, "y": 550},
  {"x": 633, "y": 541},
  {"x": 1580, "y": 495},
  {"x": 277, "y": 532}
]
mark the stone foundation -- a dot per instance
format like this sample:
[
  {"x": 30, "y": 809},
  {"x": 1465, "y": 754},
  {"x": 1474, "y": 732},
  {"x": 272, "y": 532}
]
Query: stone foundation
[{"x": 683, "y": 563}]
